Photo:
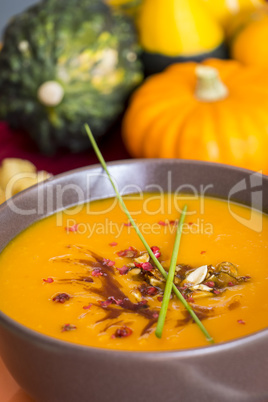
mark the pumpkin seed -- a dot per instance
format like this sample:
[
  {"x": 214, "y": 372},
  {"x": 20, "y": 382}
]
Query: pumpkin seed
[
  {"x": 197, "y": 276},
  {"x": 202, "y": 287},
  {"x": 143, "y": 258},
  {"x": 227, "y": 268},
  {"x": 155, "y": 282},
  {"x": 137, "y": 295},
  {"x": 135, "y": 271}
]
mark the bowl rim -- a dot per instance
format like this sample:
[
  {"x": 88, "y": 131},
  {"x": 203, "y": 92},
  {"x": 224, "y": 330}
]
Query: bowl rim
[
  {"x": 148, "y": 161},
  {"x": 73, "y": 348}
]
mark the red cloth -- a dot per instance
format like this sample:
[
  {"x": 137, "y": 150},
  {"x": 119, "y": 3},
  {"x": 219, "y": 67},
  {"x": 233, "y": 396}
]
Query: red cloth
[{"x": 19, "y": 145}]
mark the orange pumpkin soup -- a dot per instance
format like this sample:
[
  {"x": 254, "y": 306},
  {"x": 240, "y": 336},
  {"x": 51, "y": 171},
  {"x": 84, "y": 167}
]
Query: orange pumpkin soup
[{"x": 85, "y": 277}]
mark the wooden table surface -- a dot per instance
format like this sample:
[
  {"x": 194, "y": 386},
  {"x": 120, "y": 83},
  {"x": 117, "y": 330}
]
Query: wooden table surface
[{"x": 9, "y": 389}]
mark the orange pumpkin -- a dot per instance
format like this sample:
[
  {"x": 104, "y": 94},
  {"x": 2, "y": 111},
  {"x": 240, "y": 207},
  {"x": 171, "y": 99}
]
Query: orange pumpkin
[
  {"x": 248, "y": 37},
  {"x": 214, "y": 111}
]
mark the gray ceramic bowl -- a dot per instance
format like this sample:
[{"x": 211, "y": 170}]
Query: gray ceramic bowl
[{"x": 54, "y": 371}]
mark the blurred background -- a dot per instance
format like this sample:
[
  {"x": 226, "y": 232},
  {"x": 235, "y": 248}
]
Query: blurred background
[
  {"x": 152, "y": 78},
  {"x": 10, "y": 8}
]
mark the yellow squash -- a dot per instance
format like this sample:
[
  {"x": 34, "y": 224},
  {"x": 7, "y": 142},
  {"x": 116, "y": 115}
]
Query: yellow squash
[
  {"x": 215, "y": 111},
  {"x": 178, "y": 27},
  {"x": 224, "y": 10}
]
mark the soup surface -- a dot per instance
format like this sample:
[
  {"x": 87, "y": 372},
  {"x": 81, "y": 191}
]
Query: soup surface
[{"x": 84, "y": 276}]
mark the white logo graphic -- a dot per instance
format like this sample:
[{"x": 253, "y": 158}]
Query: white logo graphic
[{"x": 255, "y": 221}]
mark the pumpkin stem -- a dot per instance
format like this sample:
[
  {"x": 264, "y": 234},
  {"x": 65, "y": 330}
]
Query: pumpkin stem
[
  {"x": 50, "y": 93},
  {"x": 209, "y": 87}
]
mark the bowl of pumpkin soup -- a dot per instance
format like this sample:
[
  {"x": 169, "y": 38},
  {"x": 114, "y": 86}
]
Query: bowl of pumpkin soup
[{"x": 80, "y": 295}]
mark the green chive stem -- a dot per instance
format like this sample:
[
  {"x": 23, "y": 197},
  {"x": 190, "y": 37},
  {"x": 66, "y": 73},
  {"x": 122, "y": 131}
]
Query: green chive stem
[
  {"x": 147, "y": 247},
  {"x": 170, "y": 278}
]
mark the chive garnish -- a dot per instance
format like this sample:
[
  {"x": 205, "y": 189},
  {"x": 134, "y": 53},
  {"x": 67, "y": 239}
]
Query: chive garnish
[
  {"x": 147, "y": 247},
  {"x": 170, "y": 278}
]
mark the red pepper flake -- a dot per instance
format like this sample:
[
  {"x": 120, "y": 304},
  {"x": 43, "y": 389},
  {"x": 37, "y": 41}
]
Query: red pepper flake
[
  {"x": 68, "y": 327},
  {"x": 105, "y": 303},
  {"x": 124, "y": 270},
  {"x": 246, "y": 278},
  {"x": 142, "y": 304},
  {"x": 147, "y": 266},
  {"x": 151, "y": 291},
  {"x": 118, "y": 302},
  {"x": 156, "y": 251},
  {"x": 155, "y": 315},
  {"x": 97, "y": 272},
  {"x": 182, "y": 288},
  {"x": 231, "y": 284},
  {"x": 160, "y": 298},
  {"x": 161, "y": 223},
  {"x": 61, "y": 298},
  {"x": 73, "y": 228},
  {"x": 113, "y": 244},
  {"x": 210, "y": 284},
  {"x": 190, "y": 223},
  {"x": 108, "y": 262},
  {"x": 203, "y": 252},
  {"x": 130, "y": 252},
  {"x": 127, "y": 224},
  {"x": 190, "y": 299},
  {"x": 148, "y": 290},
  {"x": 216, "y": 292},
  {"x": 241, "y": 322},
  {"x": 87, "y": 307},
  {"x": 122, "y": 332},
  {"x": 173, "y": 222},
  {"x": 48, "y": 280}
]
